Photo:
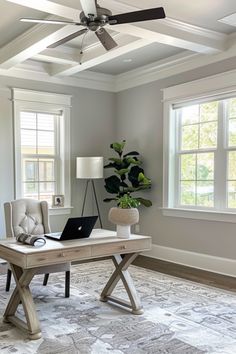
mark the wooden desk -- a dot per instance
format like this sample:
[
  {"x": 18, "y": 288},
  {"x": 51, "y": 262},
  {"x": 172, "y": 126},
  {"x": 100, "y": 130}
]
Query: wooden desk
[{"x": 24, "y": 260}]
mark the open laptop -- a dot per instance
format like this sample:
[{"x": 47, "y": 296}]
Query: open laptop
[{"x": 75, "y": 228}]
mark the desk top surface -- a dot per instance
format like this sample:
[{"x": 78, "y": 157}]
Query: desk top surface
[{"x": 97, "y": 237}]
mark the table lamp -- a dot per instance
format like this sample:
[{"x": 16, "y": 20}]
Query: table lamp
[{"x": 90, "y": 168}]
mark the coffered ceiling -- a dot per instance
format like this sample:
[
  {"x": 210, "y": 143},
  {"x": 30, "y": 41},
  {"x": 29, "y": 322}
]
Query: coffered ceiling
[{"x": 190, "y": 27}]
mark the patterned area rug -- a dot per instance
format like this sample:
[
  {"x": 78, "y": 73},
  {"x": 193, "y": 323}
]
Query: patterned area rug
[{"x": 181, "y": 317}]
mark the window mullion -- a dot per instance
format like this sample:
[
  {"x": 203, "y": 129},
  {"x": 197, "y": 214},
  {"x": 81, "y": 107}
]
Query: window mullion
[
  {"x": 221, "y": 160},
  {"x": 177, "y": 185}
]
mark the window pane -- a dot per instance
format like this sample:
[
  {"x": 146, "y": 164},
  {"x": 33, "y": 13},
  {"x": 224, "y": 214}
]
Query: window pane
[
  {"x": 205, "y": 194},
  {"x": 232, "y": 194},
  {"x": 190, "y": 114},
  {"x": 30, "y": 170},
  {"x": 209, "y": 111},
  {"x": 187, "y": 194},
  {"x": 46, "y": 170},
  {"x": 31, "y": 190},
  {"x": 46, "y": 187},
  {"x": 28, "y": 141},
  {"x": 205, "y": 166},
  {"x": 232, "y": 132},
  {"x": 232, "y": 108},
  {"x": 46, "y": 143},
  {"x": 46, "y": 191},
  {"x": 208, "y": 135},
  {"x": 188, "y": 167},
  {"x": 45, "y": 121},
  {"x": 189, "y": 137},
  {"x": 28, "y": 120},
  {"x": 232, "y": 165}
]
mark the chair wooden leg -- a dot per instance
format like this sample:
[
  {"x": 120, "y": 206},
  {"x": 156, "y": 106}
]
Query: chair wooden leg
[
  {"x": 45, "y": 280},
  {"x": 67, "y": 284},
  {"x": 8, "y": 282}
]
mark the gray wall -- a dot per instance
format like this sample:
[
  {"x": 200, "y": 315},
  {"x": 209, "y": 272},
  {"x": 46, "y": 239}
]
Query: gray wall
[
  {"x": 140, "y": 122},
  {"x": 135, "y": 115},
  {"x": 92, "y": 130}
]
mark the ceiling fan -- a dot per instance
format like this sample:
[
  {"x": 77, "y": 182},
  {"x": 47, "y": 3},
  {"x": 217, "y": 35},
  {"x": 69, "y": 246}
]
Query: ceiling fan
[{"x": 94, "y": 18}]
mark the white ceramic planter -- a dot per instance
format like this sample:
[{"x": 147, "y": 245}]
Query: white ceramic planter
[{"x": 123, "y": 218}]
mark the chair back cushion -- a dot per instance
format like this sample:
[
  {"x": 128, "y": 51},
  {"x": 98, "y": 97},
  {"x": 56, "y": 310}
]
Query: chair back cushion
[{"x": 26, "y": 216}]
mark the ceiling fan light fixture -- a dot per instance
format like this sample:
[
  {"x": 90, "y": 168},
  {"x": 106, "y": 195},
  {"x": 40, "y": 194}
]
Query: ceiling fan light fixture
[{"x": 94, "y": 18}]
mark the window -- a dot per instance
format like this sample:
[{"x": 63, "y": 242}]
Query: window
[
  {"x": 39, "y": 155},
  {"x": 200, "y": 153},
  {"x": 197, "y": 132},
  {"x": 42, "y": 145}
]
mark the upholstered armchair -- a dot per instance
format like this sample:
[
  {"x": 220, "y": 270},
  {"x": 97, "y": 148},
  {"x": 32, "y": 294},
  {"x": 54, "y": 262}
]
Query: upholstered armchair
[{"x": 31, "y": 216}]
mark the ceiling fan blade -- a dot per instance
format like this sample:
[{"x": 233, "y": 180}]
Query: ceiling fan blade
[
  {"x": 106, "y": 39},
  {"x": 50, "y": 7},
  {"x": 89, "y": 7},
  {"x": 68, "y": 38},
  {"x": 136, "y": 16},
  {"x": 54, "y": 22}
]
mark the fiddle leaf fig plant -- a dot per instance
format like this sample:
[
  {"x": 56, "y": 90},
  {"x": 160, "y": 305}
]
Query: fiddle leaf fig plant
[{"x": 128, "y": 176}]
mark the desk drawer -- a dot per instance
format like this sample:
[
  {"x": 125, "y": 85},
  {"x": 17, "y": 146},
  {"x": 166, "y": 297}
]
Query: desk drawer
[
  {"x": 56, "y": 257},
  {"x": 121, "y": 247}
]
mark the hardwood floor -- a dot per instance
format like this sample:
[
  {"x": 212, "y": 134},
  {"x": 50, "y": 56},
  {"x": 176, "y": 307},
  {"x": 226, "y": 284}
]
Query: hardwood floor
[{"x": 197, "y": 275}]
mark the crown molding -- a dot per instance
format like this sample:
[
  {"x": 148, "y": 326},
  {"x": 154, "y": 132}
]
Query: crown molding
[
  {"x": 155, "y": 71},
  {"x": 35, "y": 71}
]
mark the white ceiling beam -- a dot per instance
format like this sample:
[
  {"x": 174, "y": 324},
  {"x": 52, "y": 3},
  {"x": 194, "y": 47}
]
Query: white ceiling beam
[
  {"x": 51, "y": 8},
  {"x": 98, "y": 55},
  {"x": 32, "y": 42},
  {"x": 162, "y": 33}
]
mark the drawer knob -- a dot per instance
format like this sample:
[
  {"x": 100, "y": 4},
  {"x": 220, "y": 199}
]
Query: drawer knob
[
  {"x": 123, "y": 247},
  {"x": 62, "y": 254}
]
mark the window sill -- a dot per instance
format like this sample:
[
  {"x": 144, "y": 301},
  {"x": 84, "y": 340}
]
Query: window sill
[
  {"x": 200, "y": 214},
  {"x": 60, "y": 210}
]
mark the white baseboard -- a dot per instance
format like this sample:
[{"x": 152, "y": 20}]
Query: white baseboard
[{"x": 225, "y": 266}]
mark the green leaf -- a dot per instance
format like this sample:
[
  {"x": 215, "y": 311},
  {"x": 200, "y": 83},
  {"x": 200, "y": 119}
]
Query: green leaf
[
  {"x": 132, "y": 160},
  {"x": 118, "y": 147},
  {"x": 132, "y": 153},
  {"x": 147, "y": 203},
  {"x": 121, "y": 172},
  {"x": 112, "y": 184},
  {"x": 143, "y": 179}
]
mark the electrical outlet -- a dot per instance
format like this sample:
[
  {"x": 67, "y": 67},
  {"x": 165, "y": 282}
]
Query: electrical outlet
[{"x": 137, "y": 228}]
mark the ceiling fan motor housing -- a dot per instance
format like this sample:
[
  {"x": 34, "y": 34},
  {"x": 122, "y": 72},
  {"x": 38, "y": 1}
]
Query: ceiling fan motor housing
[{"x": 94, "y": 22}]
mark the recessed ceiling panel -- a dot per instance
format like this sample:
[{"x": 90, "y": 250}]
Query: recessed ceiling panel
[{"x": 136, "y": 58}]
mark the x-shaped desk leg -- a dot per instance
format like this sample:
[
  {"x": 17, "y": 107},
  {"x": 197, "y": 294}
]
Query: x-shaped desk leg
[
  {"x": 121, "y": 273},
  {"x": 22, "y": 294}
]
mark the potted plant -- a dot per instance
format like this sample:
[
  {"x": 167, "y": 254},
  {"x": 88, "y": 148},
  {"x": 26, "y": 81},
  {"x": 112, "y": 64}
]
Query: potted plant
[
  {"x": 129, "y": 178},
  {"x": 124, "y": 215}
]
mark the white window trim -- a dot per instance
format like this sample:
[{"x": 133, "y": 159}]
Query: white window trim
[
  {"x": 54, "y": 103},
  {"x": 213, "y": 87}
]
